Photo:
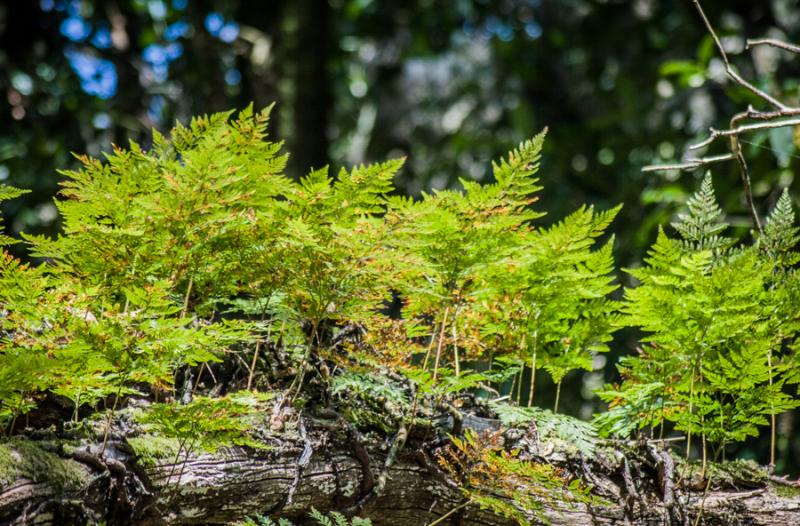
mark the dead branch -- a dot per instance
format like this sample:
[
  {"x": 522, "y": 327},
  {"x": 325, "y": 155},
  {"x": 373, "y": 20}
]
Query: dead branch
[
  {"x": 783, "y": 115},
  {"x": 772, "y": 101},
  {"x": 745, "y": 128},
  {"x": 691, "y": 164},
  {"x": 773, "y": 43}
]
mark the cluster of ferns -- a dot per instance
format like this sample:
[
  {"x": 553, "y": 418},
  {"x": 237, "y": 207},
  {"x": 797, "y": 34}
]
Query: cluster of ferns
[{"x": 200, "y": 250}]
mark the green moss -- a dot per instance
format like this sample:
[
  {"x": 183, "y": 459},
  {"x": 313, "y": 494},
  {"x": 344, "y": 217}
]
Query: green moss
[
  {"x": 730, "y": 474},
  {"x": 787, "y": 492},
  {"x": 26, "y": 459},
  {"x": 152, "y": 448}
]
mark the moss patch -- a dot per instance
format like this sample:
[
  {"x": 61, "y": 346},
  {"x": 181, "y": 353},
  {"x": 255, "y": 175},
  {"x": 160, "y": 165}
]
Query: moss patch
[
  {"x": 787, "y": 492},
  {"x": 730, "y": 474},
  {"x": 26, "y": 459},
  {"x": 150, "y": 449}
]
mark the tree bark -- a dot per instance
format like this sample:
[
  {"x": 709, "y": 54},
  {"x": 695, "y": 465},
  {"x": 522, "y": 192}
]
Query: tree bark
[{"x": 324, "y": 464}]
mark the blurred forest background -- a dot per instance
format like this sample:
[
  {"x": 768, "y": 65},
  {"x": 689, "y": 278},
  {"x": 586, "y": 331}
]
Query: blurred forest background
[{"x": 452, "y": 85}]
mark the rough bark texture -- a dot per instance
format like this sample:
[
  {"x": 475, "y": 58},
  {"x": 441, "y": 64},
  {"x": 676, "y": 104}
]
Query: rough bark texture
[{"x": 329, "y": 466}]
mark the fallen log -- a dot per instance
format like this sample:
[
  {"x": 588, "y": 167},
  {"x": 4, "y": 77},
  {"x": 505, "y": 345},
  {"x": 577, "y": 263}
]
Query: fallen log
[{"x": 138, "y": 479}]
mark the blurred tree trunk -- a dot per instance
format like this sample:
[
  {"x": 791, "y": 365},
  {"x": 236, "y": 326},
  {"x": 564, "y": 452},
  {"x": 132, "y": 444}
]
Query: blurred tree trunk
[
  {"x": 308, "y": 52},
  {"x": 261, "y": 67}
]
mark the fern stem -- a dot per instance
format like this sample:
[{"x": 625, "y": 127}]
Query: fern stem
[
  {"x": 517, "y": 381},
  {"x": 297, "y": 384},
  {"x": 439, "y": 346},
  {"x": 689, "y": 431},
  {"x": 252, "y": 371},
  {"x": 772, "y": 414},
  {"x": 703, "y": 503},
  {"x": 186, "y": 452},
  {"x": 111, "y": 415},
  {"x": 703, "y": 426},
  {"x": 430, "y": 346},
  {"x": 705, "y": 458},
  {"x": 443, "y": 517},
  {"x": 186, "y": 298},
  {"x": 10, "y": 430},
  {"x": 533, "y": 368},
  {"x": 558, "y": 396},
  {"x": 514, "y": 384},
  {"x": 181, "y": 443},
  {"x": 455, "y": 347}
]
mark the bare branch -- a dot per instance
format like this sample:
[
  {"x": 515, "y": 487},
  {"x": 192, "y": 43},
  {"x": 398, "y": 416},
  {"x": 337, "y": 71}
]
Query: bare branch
[
  {"x": 691, "y": 164},
  {"x": 745, "y": 128},
  {"x": 781, "y": 116},
  {"x": 774, "y": 43},
  {"x": 729, "y": 69}
]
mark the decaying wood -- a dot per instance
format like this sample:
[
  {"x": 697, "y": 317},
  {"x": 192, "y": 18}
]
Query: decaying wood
[{"x": 331, "y": 466}]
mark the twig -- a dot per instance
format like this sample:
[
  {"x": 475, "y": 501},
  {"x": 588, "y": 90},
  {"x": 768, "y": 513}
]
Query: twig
[
  {"x": 783, "y": 481},
  {"x": 769, "y": 119},
  {"x": 755, "y": 126},
  {"x": 772, "y": 101},
  {"x": 691, "y": 164},
  {"x": 773, "y": 43},
  {"x": 736, "y": 148},
  {"x": 376, "y": 485},
  {"x": 664, "y": 440},
  {"x": 443, "y": 517}
]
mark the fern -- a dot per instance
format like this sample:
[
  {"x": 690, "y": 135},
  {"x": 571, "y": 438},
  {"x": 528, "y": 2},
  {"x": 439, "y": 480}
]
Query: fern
[
  {"x": 443, "y": 244},
  {"x": 702, "y": 226},
  {"x": 200, "y": 250},
  {"x": 568, "y": 432},
  {"x": 504, "y": 481},
  {"x": 8, "y": 192},
  {"x": 781, "y": 236},
  {"x": 708, "y": 362},
  {"x": 473, "y": 266},
  {"x": 556, "y": 289}
]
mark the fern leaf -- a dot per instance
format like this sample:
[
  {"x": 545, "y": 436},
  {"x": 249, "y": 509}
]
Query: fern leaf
[
  {"x": 780, "y": 233},
  {"x": 702, "y": 226}
]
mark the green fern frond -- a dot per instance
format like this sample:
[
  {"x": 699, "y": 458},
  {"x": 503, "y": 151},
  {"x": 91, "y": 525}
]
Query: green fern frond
[
  {"x": 8, "y": 192},
  {"x": 702, "y": 226},
  {"x": 781, "y": 235},
  {"x": 515, "y": 173}
]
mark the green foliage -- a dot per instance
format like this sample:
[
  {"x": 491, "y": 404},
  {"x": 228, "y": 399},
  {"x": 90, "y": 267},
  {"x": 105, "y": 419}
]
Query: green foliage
[
  {"x": 715, "y": 326},
  {"x": 329, "y": 243},
  {"x": 780, "y": 233},
  {"x": 72, "y": 341},
  {"x": 158, "y": 243},
  {"x": 194, "y": 211},
  {"x": 8, "y": 192},
  {"x": 201, "y": 251},
  {"x": 553, "y": 295},
  {"x": 488, "y": 282},
  {"x": 337, "y": 519},
  {"x": 700, "y": 229},
  {"x": 443, "y": 245}
]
